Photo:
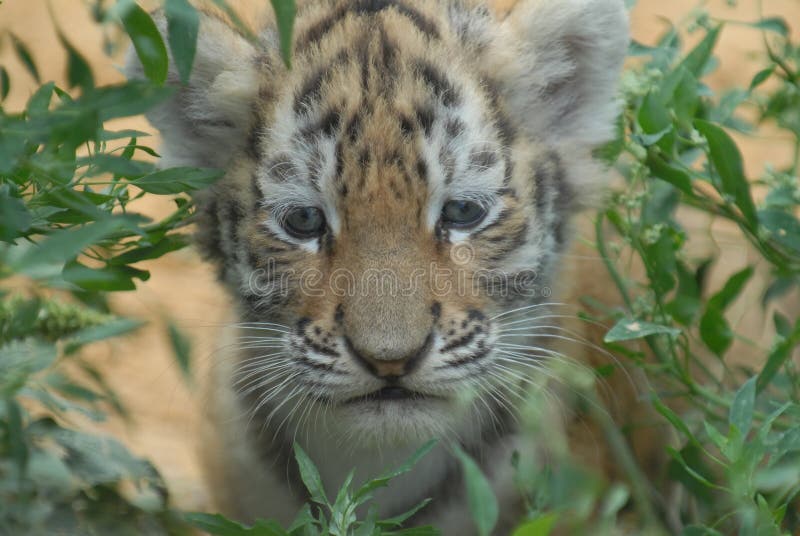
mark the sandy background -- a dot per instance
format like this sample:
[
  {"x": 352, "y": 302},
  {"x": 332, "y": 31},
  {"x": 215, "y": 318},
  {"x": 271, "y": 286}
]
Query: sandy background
[{"x": 142, "y": 369}]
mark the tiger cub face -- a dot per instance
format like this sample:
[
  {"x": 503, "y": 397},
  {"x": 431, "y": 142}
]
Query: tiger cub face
[{"x": 395, "y": 205}]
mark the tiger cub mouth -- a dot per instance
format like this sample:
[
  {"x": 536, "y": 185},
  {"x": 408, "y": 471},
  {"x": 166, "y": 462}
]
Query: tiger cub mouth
[{"x": 390, "y": 393}]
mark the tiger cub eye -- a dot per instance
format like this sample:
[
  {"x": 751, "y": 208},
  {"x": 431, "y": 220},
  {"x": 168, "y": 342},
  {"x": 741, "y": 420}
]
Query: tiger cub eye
[
  {"x": 305, "y": 222},
  {"x": 462, "y": 214}
]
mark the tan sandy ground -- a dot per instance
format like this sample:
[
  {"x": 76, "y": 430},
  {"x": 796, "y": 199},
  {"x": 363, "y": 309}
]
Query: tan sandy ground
[{"x": 142, "y": 369}]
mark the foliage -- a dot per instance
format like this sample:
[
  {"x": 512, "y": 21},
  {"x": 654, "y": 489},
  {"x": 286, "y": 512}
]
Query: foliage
[
  {"x": 69, "y": 235},
  {"x": 322, "y": 517},
  {"x": 738, "y": 459}
]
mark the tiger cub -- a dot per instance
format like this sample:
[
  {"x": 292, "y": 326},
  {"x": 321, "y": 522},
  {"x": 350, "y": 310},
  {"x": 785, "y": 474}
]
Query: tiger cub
[{"x": 395, "y": 226}]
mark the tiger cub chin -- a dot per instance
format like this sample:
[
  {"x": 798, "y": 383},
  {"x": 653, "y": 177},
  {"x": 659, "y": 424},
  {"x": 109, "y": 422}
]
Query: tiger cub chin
[{"x": 394, "y": 225}]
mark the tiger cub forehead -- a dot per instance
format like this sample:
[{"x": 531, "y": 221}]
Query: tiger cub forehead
[{"x": 381, "y": 109}]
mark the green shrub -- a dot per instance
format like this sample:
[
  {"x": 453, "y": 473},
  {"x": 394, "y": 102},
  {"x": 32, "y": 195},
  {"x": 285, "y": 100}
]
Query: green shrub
[{"x": 66, "y": 228}]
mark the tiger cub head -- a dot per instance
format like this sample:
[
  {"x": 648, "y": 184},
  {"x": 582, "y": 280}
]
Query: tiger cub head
[{"x": 395, "y": 205}]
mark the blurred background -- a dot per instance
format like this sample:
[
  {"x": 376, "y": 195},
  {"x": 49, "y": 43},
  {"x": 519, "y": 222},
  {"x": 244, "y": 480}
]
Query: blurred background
[{"x": 166, "y": 407}]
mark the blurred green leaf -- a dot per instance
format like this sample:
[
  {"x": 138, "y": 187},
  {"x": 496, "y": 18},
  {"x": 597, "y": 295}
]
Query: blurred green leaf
[
  {"x": 5, "y": 83},
  {"x": 310, "y": 476},
  {"x": 778, "y": 356},
  {"x": 14, "y": 216},
  {"x": 541, "y": 526},
  {"x": 183, "y": 23},
  {"x": 107, "y": 278},
  {"x": 218, "y": 525},
  {"x": 697, "y": 60},
  {"x": 64, "y": 245},
  {"x": 177, "y": 180},
  {"x": 741, "y": 412},
  {"x": 25, "y": 57},
  {"x": 181, "y": 348},
  {"x": 382, "y": 481},
  {"x": 285, "y": 11},
  {"x": 147, "y": 41},
  {"x": 627, "y": 329},
  {"x": 480, "y": 496},
  {"x": 732, "y": 288},
  {"x": 761, "y": 77},
  {"x": 784, "y": 228},
  {"x": 21, "y": 358},
  {"x": 669, "y": 173},
  {"x": 715, "y": 331},
  {"x": 728, "y": 162},
  {"x": 772, "y": 24},
  {"x": 79, "y": 73},
  {"x": 114, "y": 328}
]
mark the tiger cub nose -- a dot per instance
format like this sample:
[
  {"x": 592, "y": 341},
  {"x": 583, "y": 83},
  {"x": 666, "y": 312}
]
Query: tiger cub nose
[{"x": 393, "y": 367}]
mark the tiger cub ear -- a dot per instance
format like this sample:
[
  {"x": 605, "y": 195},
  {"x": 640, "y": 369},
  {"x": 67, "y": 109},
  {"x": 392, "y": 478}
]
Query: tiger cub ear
[
  {"x": 562, "y": 76},
  {"x": 207, "y": 120}
]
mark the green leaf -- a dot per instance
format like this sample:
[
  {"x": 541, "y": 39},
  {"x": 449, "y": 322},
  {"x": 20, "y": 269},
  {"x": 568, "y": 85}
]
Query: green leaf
[
  {"x": 715, "y": 331},
  {"x": 627, "y": 329},
  {"x": 79, "y": 73},
  {"x": 25, "y": 57},
  {"x": 653, "y": 116},
  {"x": 761, "y": 77},
  {"x": 21, "y": 358},
  {"x": 66, "y": 244},
  {"x": 741, "y": 411},
  {"x": 399, "y": 519},
  {"x": 39, "y": 102},
  {"x": 777, "y": 289},
  {"x": 108, "y": 278},
  {"x": 218, "y": 525},
  {"x": 696, "y": 61},
  {"x": 235, "y": 19},
  {"x": 51, "y": 475},
  {"x": 285, "y": 11},
  {"x": 115, "y": 328},
  {"x": 674, "y": 419},
  {"x": 677, "y": 177},
  {"x": 132, "y": 98},
  {"x": 183, "y": 23},
  {"x": 383, "y": 481},
  {"x": 772, "y": 24},
  {"x": 778, "y": 357},
  {"x": 687, "y": 302},
  {"x": 178, "y": 180},
  {"x": 98, "y": 460},
  {"x": 480, "y": 496},
  {"x": 5, "y": 83},
  {"x": 731, "y": 290},
  {"x": 146, "y": 41},
  {"x": 714, "y": 328},
  {"x": 303, "y": 521},
  {"x": 783, "y": 227},
  {"x": 16, "y": 439},
  {"x": 141, "y": 252},
  {"x": 181, "y": 348},
  {"x": 789, "y": 441},
  {"x": 310, "y": 476},
  {"x": 727, "y": 161},
  {"x": 117, "y": 165},
  {"x": 541, "y": 526},
  {"x": 14, "y": 216},
  {"x": 695, "y": 474}
]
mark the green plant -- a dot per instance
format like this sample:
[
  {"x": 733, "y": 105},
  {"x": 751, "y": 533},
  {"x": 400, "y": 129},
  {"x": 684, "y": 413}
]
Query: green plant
[
  {"x": 739, "y": 455},
  {"x": 69, "y": 235},
  {"x": 322, "y": 516}
]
